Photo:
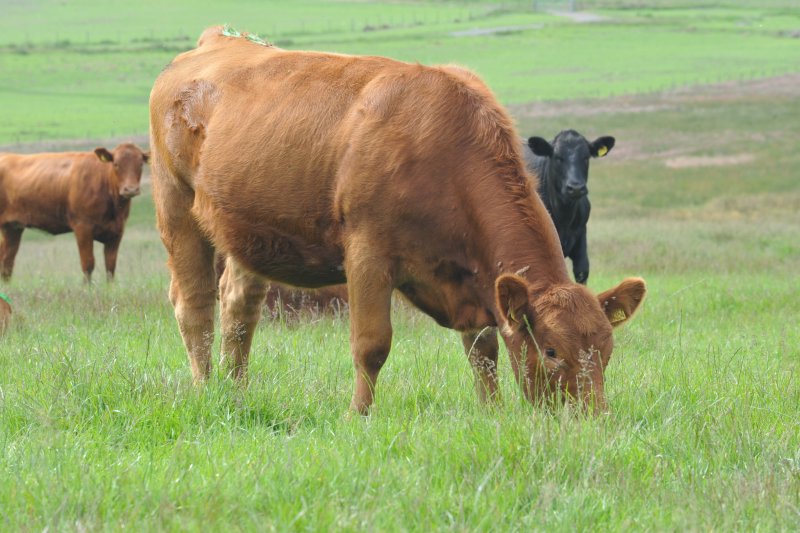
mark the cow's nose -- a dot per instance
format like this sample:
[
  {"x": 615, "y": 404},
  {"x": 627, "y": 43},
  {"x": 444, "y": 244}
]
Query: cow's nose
[
  {"x": 576, "y": 192},
  {"x": 129, "y": 192}
]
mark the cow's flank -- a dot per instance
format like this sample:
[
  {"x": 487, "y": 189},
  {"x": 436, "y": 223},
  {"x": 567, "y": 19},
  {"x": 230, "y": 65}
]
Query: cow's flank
[
  {"x": 88, "y": 193},
  {"x": 317, "y": 169}
]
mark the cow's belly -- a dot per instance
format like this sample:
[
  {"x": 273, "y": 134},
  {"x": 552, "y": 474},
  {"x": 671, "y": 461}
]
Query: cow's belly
[
  {"x": 298, "y": 250},
  {"x": 287, "y": 258},
  {"x": 42, "y": 219}
]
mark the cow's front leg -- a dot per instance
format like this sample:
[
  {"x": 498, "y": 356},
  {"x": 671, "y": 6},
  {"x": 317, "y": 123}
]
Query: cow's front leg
[
  {"x": 369, "y": 289},
  {"x": 481, "y": 349},
  {"x": 580, "y": 260},
  {"x": 110, "y": 250},
  {"x": 241, "y": 296},
  {"x": 85, "y": 239},
  {"x": 12, "y": 235}
]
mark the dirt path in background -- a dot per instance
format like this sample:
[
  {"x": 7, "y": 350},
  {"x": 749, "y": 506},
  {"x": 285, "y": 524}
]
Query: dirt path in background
[
  {"x": 581, "y": 17},
  {"x": 73, "y": 145},
  {"x": 788, "y": 85},
  {"x": 683, "y": 152}
]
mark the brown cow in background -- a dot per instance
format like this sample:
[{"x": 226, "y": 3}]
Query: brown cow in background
[
  {"x": 88, "y": 193},
  {"x": 316, "y": 169},
  {"x": 5, "y": 312}
]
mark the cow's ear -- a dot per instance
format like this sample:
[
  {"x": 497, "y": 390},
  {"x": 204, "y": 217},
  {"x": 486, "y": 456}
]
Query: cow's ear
[
  {"x": 620, "y": 303},
  {"x": 540, "y": 146},
  {"x": 512, "y": 300},
  {"x": 601, "y": 146},
  {"x": 146, "y": 157},
  {"x": 104, "y": 155}
]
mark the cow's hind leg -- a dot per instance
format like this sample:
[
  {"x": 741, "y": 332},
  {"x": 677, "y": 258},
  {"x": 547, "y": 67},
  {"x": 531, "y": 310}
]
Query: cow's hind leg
[
  {"x": 481, "y": 349},
  {"x": 8, "y": 250},
  {"x": 369, "y": 286},
  {"x": 241, "y": 296},
  {"x": 193, "y": 287}
]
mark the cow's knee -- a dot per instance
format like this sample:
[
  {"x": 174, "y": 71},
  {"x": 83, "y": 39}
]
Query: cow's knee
[
  {"x": 88, "y": 268},
  {"x": 370, "y": 335},
  {"x": 481, "y": 348},
  {"x": 241, "y": 298}
]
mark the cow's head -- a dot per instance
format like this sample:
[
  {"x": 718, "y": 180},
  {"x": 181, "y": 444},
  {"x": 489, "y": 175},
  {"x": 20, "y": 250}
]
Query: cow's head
[
  {"x": 569, "y": 160},
  {"x": 126, "y": 160},
  {"x": 560, "y": 339}
]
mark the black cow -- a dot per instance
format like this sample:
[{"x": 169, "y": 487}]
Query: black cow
[{"x": 563, "y": 170}]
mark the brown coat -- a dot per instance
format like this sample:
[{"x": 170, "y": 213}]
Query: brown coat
[
  {"x": 314, "y": 169},
  {"x": 87, "y": 193}
]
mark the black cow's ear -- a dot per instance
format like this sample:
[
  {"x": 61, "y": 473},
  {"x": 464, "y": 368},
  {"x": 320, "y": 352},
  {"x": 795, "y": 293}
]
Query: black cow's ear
[
  {"x": 540, "y": 146},
  {"x": 104, "y": 155},
  {"x": 601, "y": 146}
]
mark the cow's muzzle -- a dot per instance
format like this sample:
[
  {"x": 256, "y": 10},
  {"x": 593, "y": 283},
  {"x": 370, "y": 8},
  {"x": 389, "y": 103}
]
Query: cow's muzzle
[
  {"x": 129, "y": 192},
  {"x": 577, "y": 192}
]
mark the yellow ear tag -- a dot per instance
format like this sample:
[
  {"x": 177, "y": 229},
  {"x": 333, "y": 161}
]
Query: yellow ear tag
[
  {"x": 618, "y": 316},
  {"x": 602, "y": 151}
]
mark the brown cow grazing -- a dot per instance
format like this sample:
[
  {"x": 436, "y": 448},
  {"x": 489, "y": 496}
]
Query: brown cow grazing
[
  {"x": 315, "y": 169},
  {"x": 88, "y": 193}
]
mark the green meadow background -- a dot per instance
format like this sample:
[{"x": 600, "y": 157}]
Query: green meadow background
[{"x": 101, "y": 429}]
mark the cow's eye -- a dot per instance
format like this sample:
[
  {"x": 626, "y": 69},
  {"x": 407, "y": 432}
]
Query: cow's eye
[{"x": 550, "y": 352}]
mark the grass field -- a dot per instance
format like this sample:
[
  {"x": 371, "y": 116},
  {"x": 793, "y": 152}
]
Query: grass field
[{"x": 101, "y": 429}]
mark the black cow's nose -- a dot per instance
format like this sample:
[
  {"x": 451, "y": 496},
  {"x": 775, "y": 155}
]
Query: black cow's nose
[{"x": 576, "y": 192}]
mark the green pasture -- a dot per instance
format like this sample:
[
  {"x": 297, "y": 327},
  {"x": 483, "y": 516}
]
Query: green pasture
[
  {"x": 76, "y": 70},
  {"x": 101, "y": 428}
]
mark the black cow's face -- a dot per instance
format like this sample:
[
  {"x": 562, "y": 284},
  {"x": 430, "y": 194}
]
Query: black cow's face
[{"x": 569, "y": 156}]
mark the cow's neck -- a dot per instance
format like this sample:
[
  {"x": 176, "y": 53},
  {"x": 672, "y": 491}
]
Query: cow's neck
[
  {"x": 523, "y": 240},
  {"x": 508, "y": 231},
  {"x": 117, "y": 203},
  {"x": 534, "y": 253}
]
